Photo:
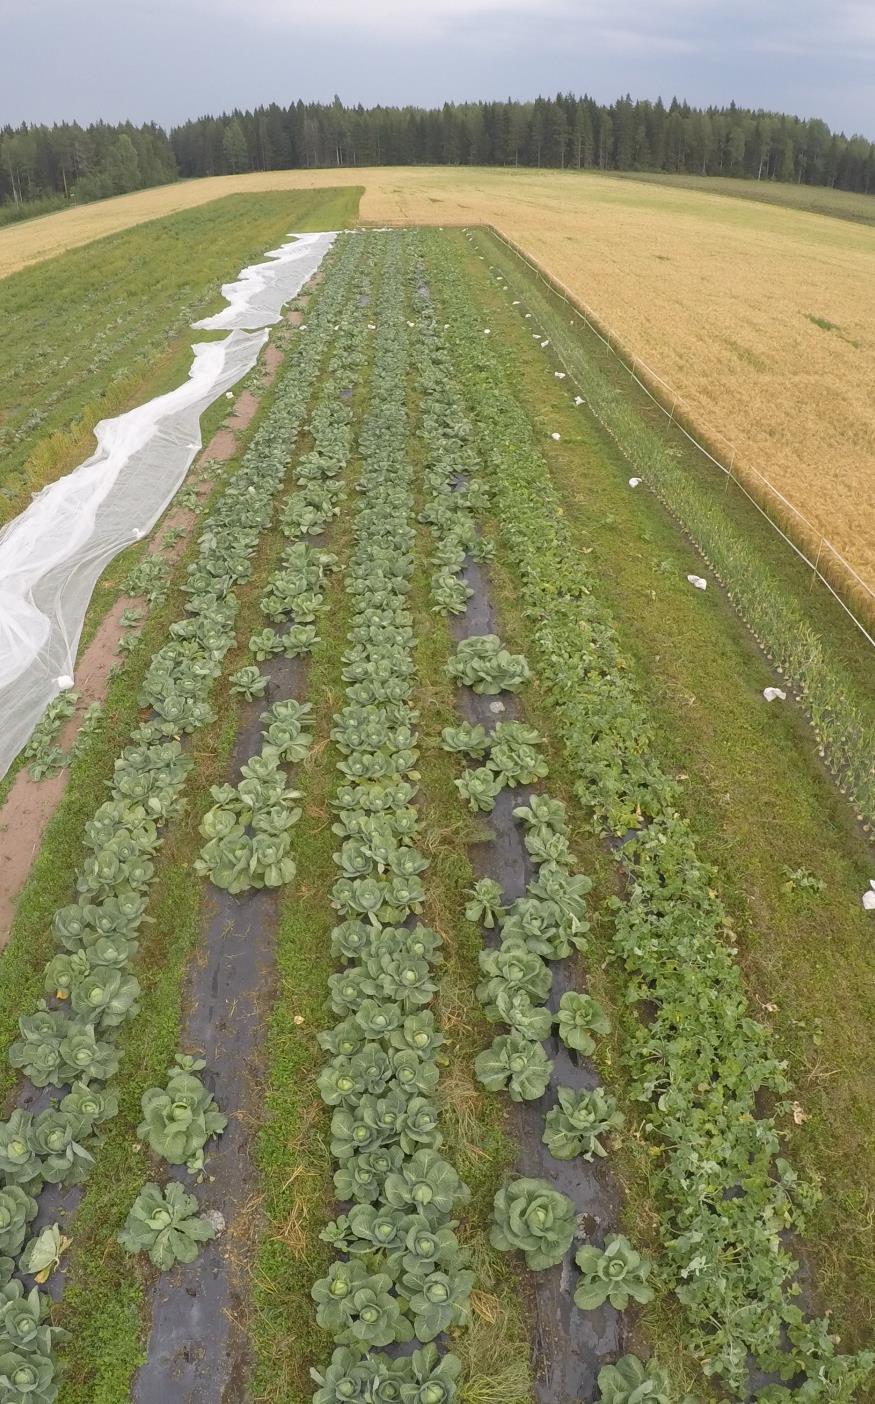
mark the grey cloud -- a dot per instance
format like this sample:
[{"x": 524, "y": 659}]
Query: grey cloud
[{"x": 169, "y": 59}]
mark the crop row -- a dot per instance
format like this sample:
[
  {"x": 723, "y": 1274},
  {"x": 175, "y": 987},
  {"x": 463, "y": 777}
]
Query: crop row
[
  {"x": 69, "y": 1042},
  {"x": 403, "y": 1276},
  {"x": 546, "y": 924},
  {"x": 703, "y": 1068}
]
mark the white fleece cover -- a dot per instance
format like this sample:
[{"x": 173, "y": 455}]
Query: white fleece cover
[{"x": 52, "y": 555}]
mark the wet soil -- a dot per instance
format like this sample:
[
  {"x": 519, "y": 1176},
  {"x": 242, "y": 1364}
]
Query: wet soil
[{"x": 569, "y": 1346}]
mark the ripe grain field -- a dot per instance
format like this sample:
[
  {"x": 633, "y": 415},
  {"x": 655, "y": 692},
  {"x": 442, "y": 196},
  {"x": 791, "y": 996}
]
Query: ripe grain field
[
  {"x": 436, "y": 973},
  {"x": 759, "y": 317}
]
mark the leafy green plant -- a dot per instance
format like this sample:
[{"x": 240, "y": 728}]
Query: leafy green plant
[
  {"x": 614, "y": 1274},
  {"x": 165, "y": 1224},
  {"x": 577, "y": 1125},
  {"x": 801, "y": 880},
  {"x": 579, "y": 1017},
  {"x": 249, "y": 682},
  {"x": 17, "y": 1210},
  {"x": 357, "y": 1306},
  {"x": 479, "y": 788},
  {"x": 179, "y": 1120},
  {"x": 43, "y": 1253},
  {"x": 27, "y": 1377},
  {"x": 485, "y": 903},
  {"x": 514, "y": 1064},
  {"x": 485, "y": 665},
  {"x": 631, "y": 1382},
  {"x": 530, "y": 1217}
]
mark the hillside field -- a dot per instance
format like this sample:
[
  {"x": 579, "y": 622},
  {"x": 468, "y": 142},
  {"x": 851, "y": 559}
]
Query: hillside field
[{"x": 760, "y": 317}]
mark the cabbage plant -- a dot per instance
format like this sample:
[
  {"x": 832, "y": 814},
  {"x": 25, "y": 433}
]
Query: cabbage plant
[
  {"x": 249, "y": 682},
  {"x": 23, "y": 1320},
  {"x": 358, "y": 1306},
  {"x": 27, "y": 1377},
  {"x": 180, "y": 1118},
  {"x": 615, "y": 1274},
  {"x": 579, "y": 1017},
  {"x": 514, "y": 1064},
  {"x": 17, "y": 1211},
  {"x": 579, "y": 1123},
  {"x": 484, "y": 904},
  {"x": 632, "y": 1382},
  {"x": 531, "y": 1217},
  {"x": 165, "y": 1224},
  {"x": 485, "y": 665}
]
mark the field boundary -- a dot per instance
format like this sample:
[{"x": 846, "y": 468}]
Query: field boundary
[{"x": 846, "y": 586}]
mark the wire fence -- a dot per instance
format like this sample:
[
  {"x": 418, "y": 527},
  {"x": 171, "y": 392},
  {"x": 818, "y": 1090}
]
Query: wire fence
[{"x": 818, "y": 554}]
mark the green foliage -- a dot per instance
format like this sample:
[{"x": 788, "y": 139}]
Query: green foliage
[
  {"x": 514, "y": 1064},
  {"x": 248, "y": 829},
  {"x": 630, "y": 1382},
  {"x": 485, "y": 665},
  {"x": 579, "y": 1017},
  {"x": 615, "y": 1274},
  {"x": 533, "y": 1218},
  {"x": 249, "y": 682},
  {"x": 485, "y": 904},
  {"x": 578, "y": 1124},
  {"x": 180, "y": 1118},
  {"x": 165, "y": 1224},
  {"x": 703, "y": 1067}
]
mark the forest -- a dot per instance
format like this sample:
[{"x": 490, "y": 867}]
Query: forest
[{"x": 43, "y": 167}]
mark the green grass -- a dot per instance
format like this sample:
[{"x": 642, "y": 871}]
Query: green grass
[
  {"x": 814, "y": 199},
  {"x": 759, "y": 800},
  {"x": 98, "y": 329}
]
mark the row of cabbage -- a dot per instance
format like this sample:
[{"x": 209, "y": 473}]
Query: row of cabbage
[
  {"x": 248, "y": 828},
  {"x": 548, "y": 923},
  {"x": 842, "y": 720},
  {"x": 69, "y": 1042},
  {"x": 701, "y": 1065},
  {"x": 403, "y": 1276}
]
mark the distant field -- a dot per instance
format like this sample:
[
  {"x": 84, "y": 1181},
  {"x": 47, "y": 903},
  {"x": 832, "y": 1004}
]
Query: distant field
[
  {"x": 760, "y": 317},
  {"x": 86, "y": 336},
  {"x": 816, "y": 199}
]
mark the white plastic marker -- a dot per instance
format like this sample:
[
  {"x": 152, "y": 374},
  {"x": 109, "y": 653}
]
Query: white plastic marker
[
  {"x": 633, "y": 482},
  {"x": 545, "y": 343},
  {"x": 560, "y": 375},
  {"x": 557, "y": 437},
  {"x": 487, "y": 331},
  {"x": 53, "y": 553},
  {"x": 869, "y": 898},
  {"x": 578, "y": 400},
  {"x": 699, "y": 581},
  {"x": 773, "y": 694}
]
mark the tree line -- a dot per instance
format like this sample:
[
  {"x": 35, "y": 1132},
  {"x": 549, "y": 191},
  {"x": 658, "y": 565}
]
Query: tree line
[{"x": 68, "y": 162}]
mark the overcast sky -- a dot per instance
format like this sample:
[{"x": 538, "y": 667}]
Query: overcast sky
[{"x": 166, "y": 60}]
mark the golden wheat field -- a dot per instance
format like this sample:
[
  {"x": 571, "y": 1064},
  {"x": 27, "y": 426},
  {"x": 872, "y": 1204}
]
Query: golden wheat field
[{"x": 761, "y": 318}]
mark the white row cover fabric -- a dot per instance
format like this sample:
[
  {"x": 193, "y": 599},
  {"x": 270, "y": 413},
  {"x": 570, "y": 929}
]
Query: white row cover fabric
[{"x": 52, "y": 555}]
